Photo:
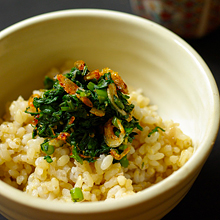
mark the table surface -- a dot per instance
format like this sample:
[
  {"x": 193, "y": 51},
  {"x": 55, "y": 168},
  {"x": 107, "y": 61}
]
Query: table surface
[{"x": 203, "y": 199}]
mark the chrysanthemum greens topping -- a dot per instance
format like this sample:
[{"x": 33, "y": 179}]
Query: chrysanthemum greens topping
[{"x": 87, "y": 111}]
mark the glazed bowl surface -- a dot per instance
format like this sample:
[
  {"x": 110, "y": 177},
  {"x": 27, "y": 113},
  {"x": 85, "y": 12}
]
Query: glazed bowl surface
[{"x": 147, "y": 56}]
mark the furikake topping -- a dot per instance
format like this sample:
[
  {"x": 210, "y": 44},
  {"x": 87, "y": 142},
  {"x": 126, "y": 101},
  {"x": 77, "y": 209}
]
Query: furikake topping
[{"x": 87, "y": 111}]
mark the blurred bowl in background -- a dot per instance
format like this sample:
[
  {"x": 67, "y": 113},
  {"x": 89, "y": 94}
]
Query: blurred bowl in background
[{"x": 187, "y": 18}]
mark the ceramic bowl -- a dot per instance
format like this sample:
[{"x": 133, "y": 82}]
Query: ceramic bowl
[{"x": 147, "y": 56}]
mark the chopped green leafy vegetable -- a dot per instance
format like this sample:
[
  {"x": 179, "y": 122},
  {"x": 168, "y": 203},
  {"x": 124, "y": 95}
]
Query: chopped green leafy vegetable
[
  {"x": 155, "y": 130},
  {"x": 48, "y": 82},
  {"x": 88, "y": 111}
]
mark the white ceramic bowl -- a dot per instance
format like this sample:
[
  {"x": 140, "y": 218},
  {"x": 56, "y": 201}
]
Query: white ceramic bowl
[{"x": 171, "y": 73}]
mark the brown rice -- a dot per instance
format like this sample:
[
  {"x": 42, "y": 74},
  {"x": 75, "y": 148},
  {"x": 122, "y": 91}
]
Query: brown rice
[{"x": 151, "y": 159}]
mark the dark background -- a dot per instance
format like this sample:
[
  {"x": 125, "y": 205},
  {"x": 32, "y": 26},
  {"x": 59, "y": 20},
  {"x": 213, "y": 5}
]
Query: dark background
[{"x": 203, "y": 200}]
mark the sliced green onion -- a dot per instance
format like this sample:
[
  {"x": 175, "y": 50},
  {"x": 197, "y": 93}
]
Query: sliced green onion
[
  {"x": 102, "y": 84},
  {"x": 48, "y": 159},
  {"x": 155, "y": 130},
  {"x": 70, "y": 104},
  {"x": 123, "y": 147},
  {"x": 128, "y": 130},
  {"x": 75, "y": 155},
  {"x": 76, "y": 194},
  {"x": 47, "y": 149},
  {"x": 85, "y": 69},
  {"x": 118, "y": 102},
  {"x": 124, "y": 161},
  {"x": 102, "y": 95},
  {"x": 110, "y": 91},
  {"x": 91, "y": 86},
  {"x": 81, "y": 93},
  {"x": 65, "y": 109},
  {"x": 41, "y": 131},
  {"x": 115, "y": 122},
  {"x": 117, "y": 133}
]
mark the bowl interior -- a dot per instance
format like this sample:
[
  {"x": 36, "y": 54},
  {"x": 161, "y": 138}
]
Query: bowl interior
[
  {"x": 147, "y": 56},
  {"x": 160, "y": 64}
]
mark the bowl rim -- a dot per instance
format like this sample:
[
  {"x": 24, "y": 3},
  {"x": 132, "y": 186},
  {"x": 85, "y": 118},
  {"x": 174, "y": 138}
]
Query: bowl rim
[{"x": 201, "y": 154}]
